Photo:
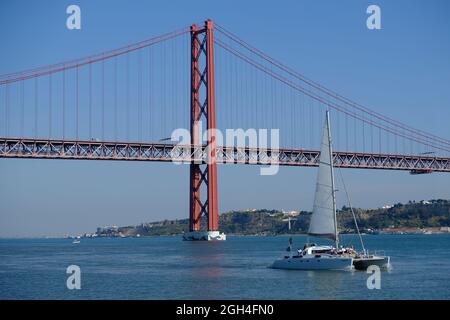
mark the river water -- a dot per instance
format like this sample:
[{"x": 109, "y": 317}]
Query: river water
[{"x": 168, "y": 268}]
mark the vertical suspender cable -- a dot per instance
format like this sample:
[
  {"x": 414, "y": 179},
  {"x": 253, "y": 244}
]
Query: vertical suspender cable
[
  {"x": 103, "y": 100},
  {"x": 115, "y": 99},
  {"x": 90, "y": 101},
  {"x": 22, "y": 108},
  {"x": 346, "y": 132},
  {"x": 149, "y": 95},
  {"x": 77, "y": 105},
  {"x": 7, "y": 109},
  {"x": 64, "y": 103},
  {"x": 36, "y": 107},
  {"x": 127, "y": 118},
  {"x": 139, "y": 74},
  {"x": 50, "y": 106}
]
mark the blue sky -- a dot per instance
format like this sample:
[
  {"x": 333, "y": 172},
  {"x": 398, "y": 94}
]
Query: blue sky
[{"x": 402, "y": 71}]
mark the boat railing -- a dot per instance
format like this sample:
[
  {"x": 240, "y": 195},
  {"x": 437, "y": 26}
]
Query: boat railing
[{"x": 375, "y": 253}]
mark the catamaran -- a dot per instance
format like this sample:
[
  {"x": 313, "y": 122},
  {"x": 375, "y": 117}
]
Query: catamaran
[
  {"x": 323, "y": 221},
  {"x": 324, "y": 224}
]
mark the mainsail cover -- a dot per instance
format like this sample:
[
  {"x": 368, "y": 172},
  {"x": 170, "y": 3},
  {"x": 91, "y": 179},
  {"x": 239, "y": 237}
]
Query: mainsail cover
[{"x": 322, "y": 222}]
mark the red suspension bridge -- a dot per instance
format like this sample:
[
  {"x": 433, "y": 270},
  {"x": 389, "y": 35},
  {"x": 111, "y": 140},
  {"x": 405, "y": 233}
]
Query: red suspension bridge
[{"x": 122, "y": 104}]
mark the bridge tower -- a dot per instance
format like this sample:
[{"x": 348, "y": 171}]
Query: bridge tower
[{"x": 203, "y": 176}]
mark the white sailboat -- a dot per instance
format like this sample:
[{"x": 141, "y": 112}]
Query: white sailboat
[
  {"x": 76, "y": 240},
  {"x": 323, "y": 221}
]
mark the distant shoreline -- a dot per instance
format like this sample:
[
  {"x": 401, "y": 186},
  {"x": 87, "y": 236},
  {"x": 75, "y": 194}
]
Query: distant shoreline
[
  {"x": 228, "y": 235},
  {"x": 423, "y": 217}
]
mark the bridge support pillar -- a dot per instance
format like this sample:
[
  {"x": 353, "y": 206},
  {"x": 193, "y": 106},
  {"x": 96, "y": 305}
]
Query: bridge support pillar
[{"x": 203, "y": 108}]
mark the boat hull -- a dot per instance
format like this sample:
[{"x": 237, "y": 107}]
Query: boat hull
[
  {"x": 314, "y": 263},
  {"x": 364, "y": 263}
]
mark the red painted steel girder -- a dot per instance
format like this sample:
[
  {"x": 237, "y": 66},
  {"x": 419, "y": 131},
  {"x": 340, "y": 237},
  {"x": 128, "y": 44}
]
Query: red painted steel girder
[
  {"x": 202, "y": 43},
  {"x": 134, "y": 151},
  {"x": 213, "y": 209},
  {"x": 195, "y": 203}
]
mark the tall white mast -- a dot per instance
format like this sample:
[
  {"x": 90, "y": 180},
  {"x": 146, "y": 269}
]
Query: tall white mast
[
  {"x": 332, "y": 179},
  {"x": 323, "y": 221}
]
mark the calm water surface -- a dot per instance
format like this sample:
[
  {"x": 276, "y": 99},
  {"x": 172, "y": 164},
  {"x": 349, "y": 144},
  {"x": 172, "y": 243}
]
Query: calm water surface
[{"x": 168, "y": 268}]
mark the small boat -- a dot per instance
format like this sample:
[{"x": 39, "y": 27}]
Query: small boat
[
  {"x": 76, "y": 241},
  {"x": 323, "y": 221}
]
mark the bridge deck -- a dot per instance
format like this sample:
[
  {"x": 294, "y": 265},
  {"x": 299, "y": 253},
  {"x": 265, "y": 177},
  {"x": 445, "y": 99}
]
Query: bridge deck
[{"x": 166, "y": 152}]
